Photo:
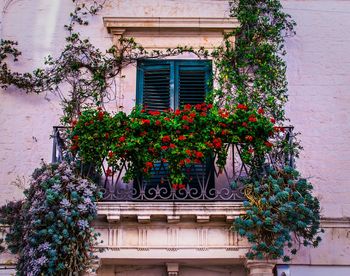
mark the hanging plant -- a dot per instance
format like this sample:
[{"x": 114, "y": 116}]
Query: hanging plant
[
  {"x": 53, "y": 233},
  {"x": 280, "y": 211}
]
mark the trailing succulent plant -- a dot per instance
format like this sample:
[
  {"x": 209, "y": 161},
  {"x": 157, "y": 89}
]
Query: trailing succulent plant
[
  {"x": 280, "y": 211},
  {"x": 53, "y": 233}
]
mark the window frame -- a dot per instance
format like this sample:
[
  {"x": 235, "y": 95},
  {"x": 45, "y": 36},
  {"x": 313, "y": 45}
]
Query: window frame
[{"x": 174, "y": 66}]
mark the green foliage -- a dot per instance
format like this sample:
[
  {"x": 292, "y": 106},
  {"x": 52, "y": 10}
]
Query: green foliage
[
  {"x": 50, "y": 229},
  {"x": 252, "y": 70},
  {"x": 280, "y": 211},
  {"x": 11, "y": 217},
  {"x": 181, "y": 138}
]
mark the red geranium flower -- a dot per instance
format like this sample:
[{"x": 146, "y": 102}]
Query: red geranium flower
[
  {"x": 164, "y": 147},
  {"x": 107, "y": 135},
  {"x": 217, "y": 143},
  {"x": 122, "y": 139},
  {"x": 272, "y": 120},
  {"x": 158, "y": 123},
  {"x": 109, "y": 172},
  {"x": 172, "y": 146},
  {"x": 244, "y": 124},
  {"x": 75, "y": 138},
  {"x": 73, "y": 123},
  {"x": 177, "y": 112},
  {"x": 198, "y": 107},
  {"x": 261, "y": 110},
  {"x": 149, "y": 165},
  {"x": 187, "y": 107},
  {"x": 166, "y": 139},
  {"x": 242, "y": 106},
  {"x": 251, "y": 151},
  {"x": 182, "y": 186},
  {"x": 188, "y": 152},
  {"x": 145, "y": 121},
  {"x": 224, "y": 115},
  {"x": 74, "y": 147},
  {"x": 249, "y": 138},
  {"x": 268, "y": 144},
  {"x": 154, "y": 113},
  {"x": 182, "y": 138},
  {"x": 185, "y": 127},
  {"x": 199, "y": 154},
  {"x": 252, "y": 118},
  {"x": 187, "y": 160},
  {"x": 100, "y": 115},
  {"x": 224, "y": 132},
  {"x": 203, "y": 114}
]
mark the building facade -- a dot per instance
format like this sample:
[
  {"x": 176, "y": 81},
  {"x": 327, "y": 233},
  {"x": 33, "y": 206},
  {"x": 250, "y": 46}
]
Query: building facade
[{"x": 179, "y": 237}]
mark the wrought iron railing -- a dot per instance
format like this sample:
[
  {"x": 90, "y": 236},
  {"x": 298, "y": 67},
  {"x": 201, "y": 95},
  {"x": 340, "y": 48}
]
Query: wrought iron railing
[{"x": 204, "y": 182}]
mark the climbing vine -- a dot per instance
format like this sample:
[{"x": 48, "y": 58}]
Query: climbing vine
[
  {"x": 91, "y": 74},
  {"x": 252, "y": 70}
]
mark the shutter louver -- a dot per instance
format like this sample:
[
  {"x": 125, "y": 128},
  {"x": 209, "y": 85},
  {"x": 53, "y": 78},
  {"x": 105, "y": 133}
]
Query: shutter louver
[
  {"x": 156, "y": 88},
  {"x": 192, "y": 85}
]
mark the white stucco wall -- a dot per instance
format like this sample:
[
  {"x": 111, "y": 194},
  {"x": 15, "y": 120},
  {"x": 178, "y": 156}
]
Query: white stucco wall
[{"x": 318, "y": 73}]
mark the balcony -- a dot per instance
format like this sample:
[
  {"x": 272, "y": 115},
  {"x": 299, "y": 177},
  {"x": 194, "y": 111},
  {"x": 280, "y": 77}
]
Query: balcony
[{"x": 204, "y": 182}]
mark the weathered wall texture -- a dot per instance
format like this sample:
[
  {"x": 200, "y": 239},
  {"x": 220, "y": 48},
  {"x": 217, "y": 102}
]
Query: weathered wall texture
[
  {"x": 318, "y": 73},
  {"x": 319, "y": 82}
]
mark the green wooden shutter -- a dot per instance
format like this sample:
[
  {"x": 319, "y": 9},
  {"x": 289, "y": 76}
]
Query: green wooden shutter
[
  {"x": 192, "y": 86},
  {"x": 192, "y": 82},
  {"x": 154, "y": 86}
]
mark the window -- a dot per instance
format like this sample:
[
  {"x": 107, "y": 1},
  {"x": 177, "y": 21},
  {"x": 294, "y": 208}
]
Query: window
[{"x": 163, "y": 84}]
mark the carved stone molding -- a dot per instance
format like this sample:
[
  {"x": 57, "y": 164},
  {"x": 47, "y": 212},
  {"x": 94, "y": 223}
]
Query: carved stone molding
[
  {"x": 260, "y": 268},
  {"x": 172, "y": 212},
  {"x": 118, "y": 24},
  {"x": 169, "y": 32}
]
